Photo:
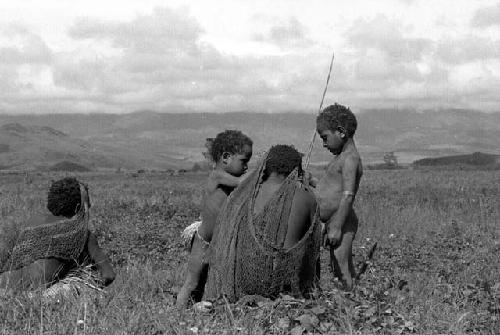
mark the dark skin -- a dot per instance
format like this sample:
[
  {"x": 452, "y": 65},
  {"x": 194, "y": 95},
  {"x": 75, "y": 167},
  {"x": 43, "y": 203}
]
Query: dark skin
[
  {"x": 300, "y": 218},
  {"x": 221, "y": 182},
  {"x": 336, "y": 192},
  {"x": 44, "y": 272},
  {"x": 226, "y": 176},
  {"x": 302, "y": 211}
]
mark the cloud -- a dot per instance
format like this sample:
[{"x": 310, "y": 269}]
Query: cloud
[
  {"x": 24, "y": 47},
  {"x": 389, "y": 66},
  {"x": 386, "y": 66},
  {"x": 289, "y": 33},
  {"x": 165, "y": 60},
  {"x": 467, "y": 49},
  {"x": 380, "y": 58},
  {"x": 386, "y": 35},
  {"x": 156, "y": 53},
  {"x": 24, "y": 58},
  {"x": 164, "y": 31},
  {"x": 486, "y": 17},
  {"x": 161, "y": 61}
]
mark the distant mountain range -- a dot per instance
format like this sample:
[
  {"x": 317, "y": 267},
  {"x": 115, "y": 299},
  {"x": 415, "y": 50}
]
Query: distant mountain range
[
  {"x": 473, "y": 160},
  {"x": 42, "y": 147},
  {"x": 149, "y": 140}
]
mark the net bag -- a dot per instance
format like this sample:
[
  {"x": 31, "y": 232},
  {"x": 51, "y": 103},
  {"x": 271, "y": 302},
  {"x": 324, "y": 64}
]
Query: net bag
[
  {"x": 63, "y": 239},
  {"x": 247, "y": 254}
]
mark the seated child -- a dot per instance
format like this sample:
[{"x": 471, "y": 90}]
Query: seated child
[
  {"x": 337, "y": 189},
  {"x": 231, "y": 151},
  {"x": 67, "y": 200}
]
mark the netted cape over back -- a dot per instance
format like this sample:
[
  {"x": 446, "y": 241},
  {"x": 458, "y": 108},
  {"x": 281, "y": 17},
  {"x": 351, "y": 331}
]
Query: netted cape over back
[
  {"x": 247, "y": 254},
  {"x": 64, "y": 239}
]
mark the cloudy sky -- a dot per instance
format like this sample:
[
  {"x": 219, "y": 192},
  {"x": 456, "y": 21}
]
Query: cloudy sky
[{"x": 229, "y": 55}]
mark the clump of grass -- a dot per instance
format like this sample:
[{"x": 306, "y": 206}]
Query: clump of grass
[{"x": 80, "y": 281}]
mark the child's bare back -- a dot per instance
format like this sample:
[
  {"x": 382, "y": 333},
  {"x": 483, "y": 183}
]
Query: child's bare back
[
  {"x": 216, "y": 192},
  {"x": 301, "y": 212}
]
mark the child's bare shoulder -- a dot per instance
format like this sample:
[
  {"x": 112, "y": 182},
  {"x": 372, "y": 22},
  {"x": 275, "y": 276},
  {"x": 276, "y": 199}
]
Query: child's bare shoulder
[
  {"x": 211, "y": 182},
  {"x": 215, "y": 193},
  {"x": 218, "y": 178},
  {"x": 351, "y": 160}
]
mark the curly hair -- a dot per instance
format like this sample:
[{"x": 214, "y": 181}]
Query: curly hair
[
  {"x": 283, "y": 159},
  {"x": 64, "y": 197},
  {"x": 231, "y": 141},
  {"x": 335, "y": 116}
]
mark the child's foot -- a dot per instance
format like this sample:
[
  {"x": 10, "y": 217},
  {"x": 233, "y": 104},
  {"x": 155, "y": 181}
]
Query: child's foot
[{"x": 203, "y": 307}]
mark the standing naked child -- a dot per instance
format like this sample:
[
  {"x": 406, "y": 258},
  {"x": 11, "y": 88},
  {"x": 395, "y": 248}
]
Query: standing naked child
[
  {"x": 336, "y": 190},
  {"x": 231, "y": 151}
]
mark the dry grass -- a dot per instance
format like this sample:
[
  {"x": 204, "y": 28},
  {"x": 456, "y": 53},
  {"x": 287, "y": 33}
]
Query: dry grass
[{"x": 435, "y": 271}]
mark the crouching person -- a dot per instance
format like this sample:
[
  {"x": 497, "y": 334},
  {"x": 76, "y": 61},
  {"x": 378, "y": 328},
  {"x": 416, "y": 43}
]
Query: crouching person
[{"x": 54, "y": 245}]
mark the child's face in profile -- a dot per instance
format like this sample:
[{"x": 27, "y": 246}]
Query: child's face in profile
[
  {"x": 237, "y": 164},
  {"x": 332, "y": 140}
]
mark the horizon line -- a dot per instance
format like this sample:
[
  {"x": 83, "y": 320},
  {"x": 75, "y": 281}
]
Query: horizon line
[{"x": 148, "y": 111}]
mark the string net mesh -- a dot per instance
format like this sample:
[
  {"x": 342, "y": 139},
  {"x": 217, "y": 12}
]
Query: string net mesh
[
  {"x": 247, "y": 253},
  {"x": 63, "y": 239}
]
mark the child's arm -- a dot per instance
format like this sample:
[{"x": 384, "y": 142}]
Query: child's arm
[
  {"x": 223, "y": 178},
  {"x": 100, "y": 259},
  {"x": 310, "y": 180},
  {"x": 336, "y": 222}
]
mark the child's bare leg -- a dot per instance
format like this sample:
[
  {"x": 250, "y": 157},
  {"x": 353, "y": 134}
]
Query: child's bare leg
[
  {"x": 197, "y": 293},
  {"x": 340, "y": 260},
  {"x": 341, "y": 257},
  {"x": 352, "y": 269},
  {"x": 195, "y": 268}
]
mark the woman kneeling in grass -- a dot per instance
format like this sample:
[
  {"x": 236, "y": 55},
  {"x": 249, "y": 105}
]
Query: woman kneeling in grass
[{"x": 51, "y": 245}]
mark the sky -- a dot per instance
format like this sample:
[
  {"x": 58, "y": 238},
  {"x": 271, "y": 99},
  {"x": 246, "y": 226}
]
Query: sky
[{"x": 60, "y": 56}]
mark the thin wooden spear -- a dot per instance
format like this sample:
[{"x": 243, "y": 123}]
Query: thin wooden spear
[{"x": 311, "y": 144}]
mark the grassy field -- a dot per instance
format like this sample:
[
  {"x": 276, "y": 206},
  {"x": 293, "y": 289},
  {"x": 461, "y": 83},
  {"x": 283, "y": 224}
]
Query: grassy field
[{"x": 436, "y": 269}]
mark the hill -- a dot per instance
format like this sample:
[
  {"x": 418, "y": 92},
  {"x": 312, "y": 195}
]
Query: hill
[
  {"x": 69, "y": 167},
  {"x": 160, "y": 140},
  {"x": 43, "y": 147},
  {"x": 477, "y": 159}
]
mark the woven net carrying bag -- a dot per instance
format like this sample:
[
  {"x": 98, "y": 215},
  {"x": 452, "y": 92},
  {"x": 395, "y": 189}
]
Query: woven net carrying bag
[
  {"x": 63, "y": 239},
  {"x": 247, "y": 254}
]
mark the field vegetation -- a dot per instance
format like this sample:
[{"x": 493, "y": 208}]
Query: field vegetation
[{"x": 436, "y": 269}]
